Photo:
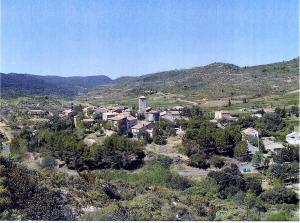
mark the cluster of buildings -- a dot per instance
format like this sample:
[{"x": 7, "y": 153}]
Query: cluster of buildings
[
  {"x": 270, "y": 144},
  {"x": 122, "y": 117},
  {"x": 251, "y": 135}
]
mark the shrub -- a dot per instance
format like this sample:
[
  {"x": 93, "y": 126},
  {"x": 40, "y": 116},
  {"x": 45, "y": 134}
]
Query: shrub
[
  {"x": 253, "y": 184},
  {"x": 279, "y": 196},
  {"x": 283, "y": 172},
  {"x": 280, "y": 216},
  {"x": 198, "y": 160},
  {"x": 47, "y": 161},
  {"x": 287, "y": 155},
  {"x": 217, "y": 161},
  {"x": 229, "y": 180},
  {"x": 164, "y": 160},
  {"x": 30, "y": 198}
]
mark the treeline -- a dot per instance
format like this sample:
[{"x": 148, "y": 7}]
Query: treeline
[{"x": 61, "y": 141}]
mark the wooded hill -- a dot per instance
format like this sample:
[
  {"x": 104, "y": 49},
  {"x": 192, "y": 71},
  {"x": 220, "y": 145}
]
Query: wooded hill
[
  {"x": 219, "y": 80},
  {"x": 215, "y": 80},
  {"x": 16, "y": 85}
]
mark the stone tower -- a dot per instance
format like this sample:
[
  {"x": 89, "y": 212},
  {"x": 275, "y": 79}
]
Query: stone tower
[{"x": 142, "y": 104}]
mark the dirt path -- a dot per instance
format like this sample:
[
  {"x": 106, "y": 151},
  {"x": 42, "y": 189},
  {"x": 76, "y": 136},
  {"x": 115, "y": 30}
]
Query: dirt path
[
  {"x": 186, "y": 101},
  {"x": 179, "y": 99},
  {"x": 295, "y": 91}
]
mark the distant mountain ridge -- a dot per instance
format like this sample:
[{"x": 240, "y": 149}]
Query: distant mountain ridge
[
  {"x": 16, "y": 85},
  {"x": 214, "y": 80},
  {"x": 218, "y": 80}
]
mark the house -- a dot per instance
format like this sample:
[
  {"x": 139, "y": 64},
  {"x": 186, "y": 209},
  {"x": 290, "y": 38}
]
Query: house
[
  {"x": 256, "y": 115},
  {"x": 67, "y": 112},
  {"x": 123, "y": 120},
  {"x": 152, "y": 116},
  {"x": 117, "y": 109},
  {"x": 131, "y": 121},
  {"x": 293, "y": 138},
  {"x": 109, "y": 115},
  {"x": 99, "y": 111},
  {"x": 272, "y": 146},
  {"x": 252, "y": 149},
  {"x": 119, "y": 121},
  {"x": 269, "y": 110},
  {"x": 255, "y": 110},
  {"x": 37, "y": 113},
  {"x": 224, "y": 115},
  {"x": 250, "y": 134},
  {"x": 88, "y": 121},
  {"x": 143, "y": 125},
  {"x": 172, "y": 115}
]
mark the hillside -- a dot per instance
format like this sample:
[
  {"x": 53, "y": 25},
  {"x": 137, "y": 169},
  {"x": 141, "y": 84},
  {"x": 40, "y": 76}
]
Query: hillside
[
  {"x": 218, "y": 80},
  {"x": 15, "y": 85}
]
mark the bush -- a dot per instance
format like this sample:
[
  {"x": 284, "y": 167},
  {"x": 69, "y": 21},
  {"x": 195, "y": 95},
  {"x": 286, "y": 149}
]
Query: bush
[
  {"x": 280, "y": 216},
  {"x": 217, "y": 161},
  {"x": 253, "y": 184},
  {"x": 230, "y": 180},
  {"x": 158, "y": 137},
  {"x": 31, "y": 198},
  {"x": 206, "y": 187},
  {"x": 48, "y": 161},
  {"x": 287, "y": 155},
  {"x": 198, "y": 160},
  {"x": 279, "y": 196},
  {"x": 284, "y": 172},
  {"x": 164, "y": 160},
  {"x": 143, "y": 134}
]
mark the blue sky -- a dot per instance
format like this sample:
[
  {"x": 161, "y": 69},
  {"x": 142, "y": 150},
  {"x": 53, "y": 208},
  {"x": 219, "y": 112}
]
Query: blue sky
[{"x": 134, "y": 37}]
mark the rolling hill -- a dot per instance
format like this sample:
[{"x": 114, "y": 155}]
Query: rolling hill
[
  {"x": 16, "y": 85},
  {"x": 218, "y": 80}
]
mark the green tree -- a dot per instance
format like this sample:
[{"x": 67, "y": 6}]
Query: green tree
[
  {"x": 241, "y": 151},
  {"x": 279, "y": 196},
  {"x": 258, "y": 159},
  {"x": 143, "y": 134},
  {"x": 158, "y": 136},
  {"x": 198, "y": 160},
  {"x": 217, "y": 161}
]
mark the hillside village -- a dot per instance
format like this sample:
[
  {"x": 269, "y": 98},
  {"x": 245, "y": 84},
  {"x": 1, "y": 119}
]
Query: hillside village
[
  {"x": 149, "y": 111},
  {"x": 139, "y": 124},
  {"x": 76, "y": 140}
]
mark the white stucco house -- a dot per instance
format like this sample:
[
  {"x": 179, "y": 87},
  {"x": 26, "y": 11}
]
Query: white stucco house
[{"x": 293, "y": 138}]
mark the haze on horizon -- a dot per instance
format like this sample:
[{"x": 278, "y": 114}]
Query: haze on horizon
[{"x": 132, "y": 37}]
